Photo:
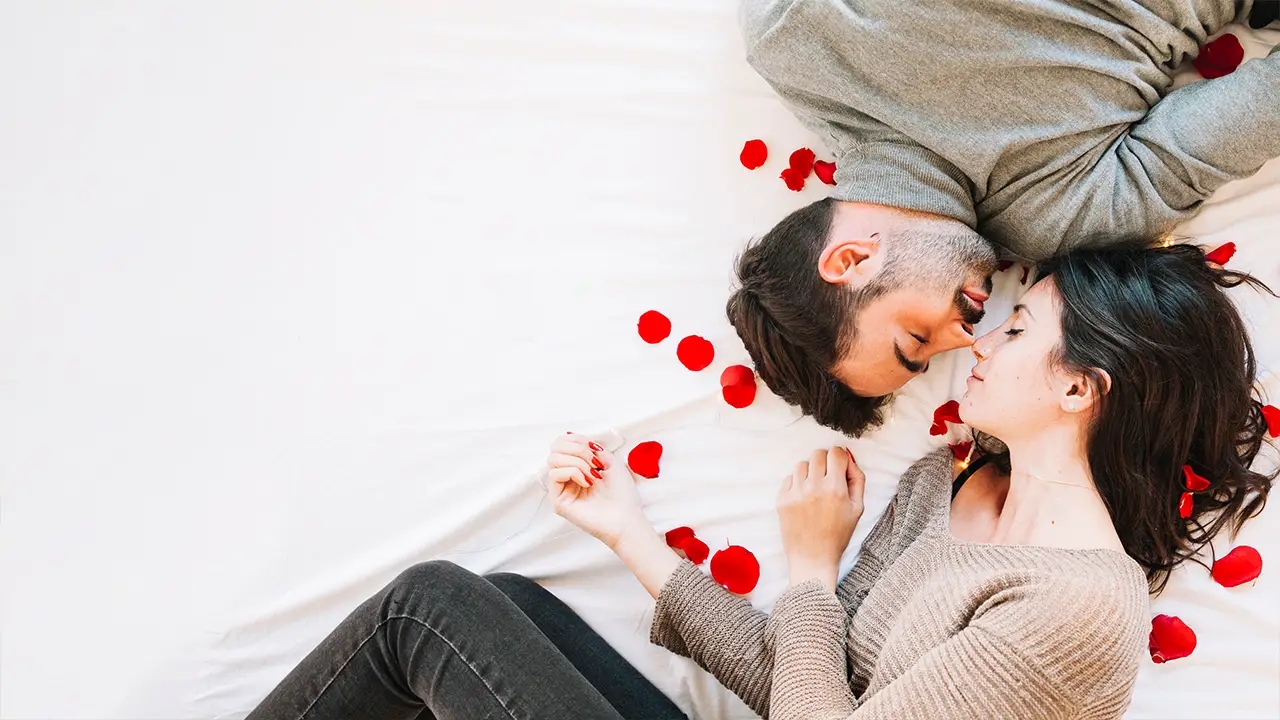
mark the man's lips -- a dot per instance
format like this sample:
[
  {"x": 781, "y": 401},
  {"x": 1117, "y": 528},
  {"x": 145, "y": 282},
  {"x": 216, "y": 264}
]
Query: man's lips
[{"x": 977, "y": 296}]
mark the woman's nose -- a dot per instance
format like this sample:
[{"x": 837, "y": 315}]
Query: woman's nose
[{"x": 980, "y": 350}]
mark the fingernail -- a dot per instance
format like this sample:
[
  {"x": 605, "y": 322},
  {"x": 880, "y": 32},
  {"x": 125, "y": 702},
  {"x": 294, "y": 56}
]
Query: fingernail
[
  {"x": 595, "y": 474},
  {"x": 595, "y": 462},
  {"x": 589, "y": 483},
  {"x": 595, "y": 447}
]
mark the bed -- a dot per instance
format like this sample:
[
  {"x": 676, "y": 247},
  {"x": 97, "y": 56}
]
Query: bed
[{"x": 297, "y": 294}]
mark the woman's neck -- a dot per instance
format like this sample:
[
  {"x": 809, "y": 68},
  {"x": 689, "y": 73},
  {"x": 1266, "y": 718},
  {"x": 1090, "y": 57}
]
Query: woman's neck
[{"x": 1051, "y": 498}]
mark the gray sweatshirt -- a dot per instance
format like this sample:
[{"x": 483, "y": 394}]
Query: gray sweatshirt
[{"x": 1045, "y": 124}]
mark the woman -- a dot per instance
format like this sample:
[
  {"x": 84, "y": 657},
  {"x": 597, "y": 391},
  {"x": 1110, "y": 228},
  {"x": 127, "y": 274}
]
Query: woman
[{"x": 1024, "y": 596}]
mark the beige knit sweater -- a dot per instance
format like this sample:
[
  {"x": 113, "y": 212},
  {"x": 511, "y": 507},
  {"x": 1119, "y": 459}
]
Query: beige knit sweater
[{"x": 925, "y": 626}]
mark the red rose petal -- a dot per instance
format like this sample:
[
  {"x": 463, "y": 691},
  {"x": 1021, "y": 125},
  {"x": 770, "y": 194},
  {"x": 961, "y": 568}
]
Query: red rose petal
[
  {"x": 675, "y": 536},
  {"x": 695, "y": 352},
  {"x": 643, "y": 459},
  {"x": 739, "y": 396},
  {"x": 1195, "y": 483},
  {"x": 737, "y": 375},
  {"x": 961, "y": 450},
  {"x": 1186, "y": 504},
  {"x": 654, "y": 327},
  {"x": 1004, "y": 265},
  {"x": 802, "y": 162},
  {"x": 736, "y": 569},
  {"x": 1238, "y": 567},
  {"x": 793, "y": 179},
  {"x": 1023, "y": 280},
  {"x": 1170, "y": 639},
  {"x": 1220, "y": 57},
  {"x": 696, "y": 550},
  {"x": 826, "y": 171},
  {"x": 948, "y": 411},
  {"x": 1222, "y": 254},
  {"x": 754, "y": 153},
  {"x": 1271, "y": 414}
]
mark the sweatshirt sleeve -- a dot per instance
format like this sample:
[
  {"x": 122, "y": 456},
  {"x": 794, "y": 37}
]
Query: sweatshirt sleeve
[
  {"x": 697, "y": 618},
  {"x": 1026, "y": 653},
  {"x": 1192, "y": 142}
]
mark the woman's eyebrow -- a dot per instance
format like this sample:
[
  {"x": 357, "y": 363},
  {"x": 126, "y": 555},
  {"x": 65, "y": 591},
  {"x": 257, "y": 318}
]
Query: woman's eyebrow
[{"x": 1023, "y": 308}]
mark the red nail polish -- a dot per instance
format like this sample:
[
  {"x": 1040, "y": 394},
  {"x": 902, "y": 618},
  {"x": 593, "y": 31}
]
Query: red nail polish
[
  {"x": 595, "y": 447},
  {"x": 595, "y": 474},
  {"x": 589, "y": 483},
  {"x": 595, "y": 463}
]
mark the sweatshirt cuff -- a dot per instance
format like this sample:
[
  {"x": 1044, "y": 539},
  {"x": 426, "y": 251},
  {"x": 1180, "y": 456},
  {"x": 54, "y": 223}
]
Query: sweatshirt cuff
[{"x": 686, "y": 596}]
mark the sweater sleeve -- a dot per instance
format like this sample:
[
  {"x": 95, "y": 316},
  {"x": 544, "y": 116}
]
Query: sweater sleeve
[
  {"x": 1192, "y": 142},
  {"x": 697, "y": 618},
  {"x": 1026, "y": 653}
]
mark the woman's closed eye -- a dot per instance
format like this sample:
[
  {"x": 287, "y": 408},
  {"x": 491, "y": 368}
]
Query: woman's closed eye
[{"x": 1013, "y": 332}]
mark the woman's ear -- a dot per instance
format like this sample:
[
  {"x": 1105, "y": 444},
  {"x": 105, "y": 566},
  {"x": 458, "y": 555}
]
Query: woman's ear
[
  {"x": 1082, "y": 393},
  {"x": 851, "y": 261}
]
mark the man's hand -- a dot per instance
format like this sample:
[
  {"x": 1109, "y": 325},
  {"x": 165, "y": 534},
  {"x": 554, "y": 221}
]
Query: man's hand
[{"x": 819, "y": 506}]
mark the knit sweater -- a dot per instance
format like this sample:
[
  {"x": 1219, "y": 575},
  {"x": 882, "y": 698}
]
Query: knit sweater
[
  {"x": 925, "y": 626},
  {"x": 1045, "y": 124}
]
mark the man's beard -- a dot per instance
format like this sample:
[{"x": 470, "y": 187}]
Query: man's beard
[{"x": 938, "y": 264}]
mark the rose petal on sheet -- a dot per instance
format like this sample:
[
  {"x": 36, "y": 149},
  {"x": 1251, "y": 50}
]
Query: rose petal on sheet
[
  {"x": 826, "y": 171},
  {"x": 1195, "y": 482},
  {"x": 675, "y": 536},
  {"x": 1221, "y": 255},
  {"x": 1271, "y": 414},
  {"x": 695, "y": 352},
  {"x": 1242, "y": 564},
  {"x": 1220, "y": 57},
  {"x": 801, "y": 161},
  {"x": 739, "y": 396},
  {"x": 961, "y": 450},
  {"x": 736, "y": 569},
  {"x": 1170, "y": 639},
  {"x": 1186, "y": 504},
  {"x": 754, "y": 153},
  {"x": 793, "y": 179},
  {"x": 643, "y": 459},
  {"x": 737, "y": 375},
  {"x": 654, "y": 327},
  {"x": 695, "y": 550}
]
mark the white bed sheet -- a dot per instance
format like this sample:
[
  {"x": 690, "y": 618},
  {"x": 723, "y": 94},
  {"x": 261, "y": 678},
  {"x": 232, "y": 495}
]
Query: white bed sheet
[{"x": 297, "y": 293}]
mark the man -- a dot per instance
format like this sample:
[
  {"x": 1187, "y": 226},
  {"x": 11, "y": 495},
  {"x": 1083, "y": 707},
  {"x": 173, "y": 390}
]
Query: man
[{"x": 1042, "y": 124}]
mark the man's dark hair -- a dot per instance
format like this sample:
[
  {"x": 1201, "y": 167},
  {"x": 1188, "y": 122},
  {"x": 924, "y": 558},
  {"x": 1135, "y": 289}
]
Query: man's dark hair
[{"x": 797, "y": 326}]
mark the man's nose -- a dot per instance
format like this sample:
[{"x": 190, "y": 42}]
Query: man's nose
[{"x": 956, "y": 338}]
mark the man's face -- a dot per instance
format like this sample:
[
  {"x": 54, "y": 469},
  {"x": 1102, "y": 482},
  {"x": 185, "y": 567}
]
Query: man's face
[{"x": 927, "y": 301}]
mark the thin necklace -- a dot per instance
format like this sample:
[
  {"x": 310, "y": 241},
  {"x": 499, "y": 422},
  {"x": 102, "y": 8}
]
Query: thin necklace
[{"x": 1062, "y": 482}]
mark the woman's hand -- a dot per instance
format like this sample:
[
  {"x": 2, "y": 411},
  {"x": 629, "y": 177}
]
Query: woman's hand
[
  {"x": 591, "y": 492},
  {"x": 819, "y": 506}
]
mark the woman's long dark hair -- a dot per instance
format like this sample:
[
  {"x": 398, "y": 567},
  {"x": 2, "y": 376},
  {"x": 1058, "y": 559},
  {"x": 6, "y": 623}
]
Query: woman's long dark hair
[{"x": 1157, "y": 321}]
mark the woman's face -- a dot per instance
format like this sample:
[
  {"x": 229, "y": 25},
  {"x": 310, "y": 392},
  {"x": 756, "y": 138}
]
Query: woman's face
[{"x": 1013, "y": 390}]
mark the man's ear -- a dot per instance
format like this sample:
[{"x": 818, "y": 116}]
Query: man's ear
[
  {"x": 1080, "y": 394},
  {"x": 850, "y": 261}
]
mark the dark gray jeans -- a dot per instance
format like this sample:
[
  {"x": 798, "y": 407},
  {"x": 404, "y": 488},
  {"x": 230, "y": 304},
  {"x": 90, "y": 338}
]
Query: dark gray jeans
[{"x": 442, "y": 642}]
